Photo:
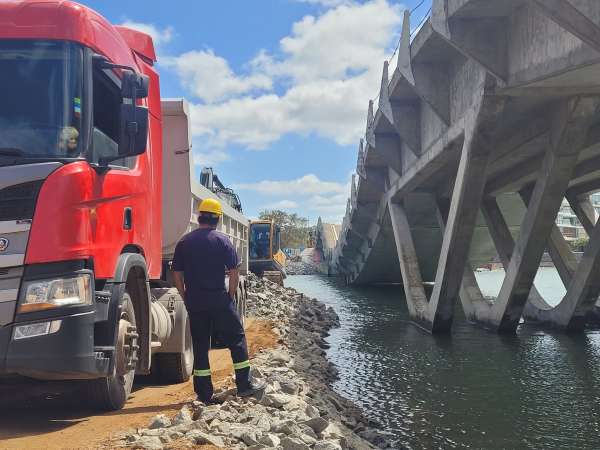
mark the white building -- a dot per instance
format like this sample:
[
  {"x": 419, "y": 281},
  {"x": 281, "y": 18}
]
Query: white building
[{"x": 569, "y": 224}]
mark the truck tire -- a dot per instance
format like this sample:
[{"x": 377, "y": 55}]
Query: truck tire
[
  {"x": 175, "y": 368},
  {"x": 111, "y": 393}
]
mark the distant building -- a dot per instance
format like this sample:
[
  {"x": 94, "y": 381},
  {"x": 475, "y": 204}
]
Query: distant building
[{"x": 568, "y": 223}]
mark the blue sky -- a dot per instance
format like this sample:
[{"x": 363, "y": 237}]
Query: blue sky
[{"x": 279, "y": 88}]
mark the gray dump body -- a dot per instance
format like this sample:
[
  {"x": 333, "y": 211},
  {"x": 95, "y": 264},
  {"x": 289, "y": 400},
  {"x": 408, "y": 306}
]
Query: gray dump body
[{"x": 182, "y": 193}]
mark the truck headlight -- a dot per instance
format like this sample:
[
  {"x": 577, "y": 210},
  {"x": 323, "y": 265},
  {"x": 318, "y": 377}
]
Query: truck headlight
[{"x": 47, "y": 294}]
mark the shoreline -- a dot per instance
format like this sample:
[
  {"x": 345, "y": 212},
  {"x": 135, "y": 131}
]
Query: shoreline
[{"x": 299, "y": 409}]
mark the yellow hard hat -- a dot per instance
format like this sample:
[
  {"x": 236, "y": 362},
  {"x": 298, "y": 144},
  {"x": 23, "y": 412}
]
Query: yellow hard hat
[{"x": 212, "y": 206}]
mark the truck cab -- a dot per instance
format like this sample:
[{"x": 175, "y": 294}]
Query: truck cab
[{"x": 83, "y": 290}]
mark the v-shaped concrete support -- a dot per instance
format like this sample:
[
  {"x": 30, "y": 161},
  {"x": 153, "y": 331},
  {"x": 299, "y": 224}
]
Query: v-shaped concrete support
[{"x": 570, "y": 125}]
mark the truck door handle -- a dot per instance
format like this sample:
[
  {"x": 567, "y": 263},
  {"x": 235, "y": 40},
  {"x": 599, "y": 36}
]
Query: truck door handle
[{"x": 127, "y": 219}]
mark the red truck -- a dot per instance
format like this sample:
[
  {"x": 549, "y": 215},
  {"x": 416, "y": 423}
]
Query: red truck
[{"x": 96, "y": 187}]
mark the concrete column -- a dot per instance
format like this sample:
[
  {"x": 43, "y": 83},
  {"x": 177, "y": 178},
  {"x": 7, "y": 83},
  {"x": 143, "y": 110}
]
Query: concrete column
[
  {"x": 582, "y": 293},
  {"x": 466, "y": 198},
  {"x": 571, "y": 19},
  {"x": 560, "y": 252},
  {"x": 584, "y": 210},
  {"x": 471, "y": 298},
  {"x": 409, "y": 264},
  {"x": 569, "y": 129},
  {"x": 504, "y": 244}
]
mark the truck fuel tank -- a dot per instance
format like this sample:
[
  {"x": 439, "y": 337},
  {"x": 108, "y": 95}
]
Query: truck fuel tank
[{"x": 162, "y": 322}]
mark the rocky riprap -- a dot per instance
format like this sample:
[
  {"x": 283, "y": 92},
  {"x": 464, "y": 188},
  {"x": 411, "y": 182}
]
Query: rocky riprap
[
  {"x": 297, "y": 411},
  {"x": 300, "y": 268}
]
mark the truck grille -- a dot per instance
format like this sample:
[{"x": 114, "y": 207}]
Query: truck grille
[{"x": 18, "y": 202}]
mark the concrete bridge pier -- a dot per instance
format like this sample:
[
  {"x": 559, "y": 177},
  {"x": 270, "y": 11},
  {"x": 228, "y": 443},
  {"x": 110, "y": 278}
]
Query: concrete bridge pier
[{"x": 489, "y": 120}]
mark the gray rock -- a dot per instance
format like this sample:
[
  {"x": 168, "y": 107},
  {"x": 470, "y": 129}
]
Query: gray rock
[
  {"x": 249, "y": 438},
  {"x": 149, "y": 442},
  {"x": 174, "y": 435},
  {"x": 132, "y": 437},
  {"x": 289, "y": 443},
  {"x": 184, "y": 416},
  {"x": 318, "y": 424},
  {"x": 308, "y": 439},
  {"x": 223, "y": 427},
  {"x": 306, "y": 430},
  {"x": 327, "y": 445},
  {"x": 311, "y": 411},
  {"x": 155, "y": 432},
  {"x": 270, "y": 440},
  {"x": 263, "y": 423},
  {"x": 198, "y": 437},
  {"x": 289, "y": 387},
  {"x": 280, "y": 356},
  {"x": 276, "y": 400},
  {"x": 160, "y": 421},
  {"x": 240, "y": 431},
  {"x": 288, "y": 428}
]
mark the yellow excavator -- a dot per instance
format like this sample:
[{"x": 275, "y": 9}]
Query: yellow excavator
[{"x": 265, "y": 255}]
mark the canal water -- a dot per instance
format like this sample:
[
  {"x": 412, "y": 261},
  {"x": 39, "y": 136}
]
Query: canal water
[{"x": 471, "y": 389}]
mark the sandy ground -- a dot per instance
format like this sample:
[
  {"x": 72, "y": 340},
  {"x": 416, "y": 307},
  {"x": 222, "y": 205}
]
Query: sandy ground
[{"x": 64, "y": 423}]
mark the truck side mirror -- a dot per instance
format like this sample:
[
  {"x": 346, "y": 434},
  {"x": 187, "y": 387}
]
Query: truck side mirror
[
  {"x": 134, "y": 130},
  {"x": 134, "y": 85}
]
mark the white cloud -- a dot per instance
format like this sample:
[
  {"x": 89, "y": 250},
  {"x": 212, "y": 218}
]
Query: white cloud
[
  {"x": 309, "y": 194},
  {"x": 327, "y": 3},
  {"x": 210, "y": 157},
  {"x": 209, "y": 77},
  {"x": 283, "y": 204},
  {"x": 325, "y": 71},
  {"x": 304, "y": 186},
  {"x": 347, "y": 40},
  {"x": 159, "y": 36}
]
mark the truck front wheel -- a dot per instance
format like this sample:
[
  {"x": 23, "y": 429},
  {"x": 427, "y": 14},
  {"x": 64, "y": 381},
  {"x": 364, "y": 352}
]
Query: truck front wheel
[{"x": 111, "y": 393}]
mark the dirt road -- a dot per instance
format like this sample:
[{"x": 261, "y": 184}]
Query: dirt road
[{"x": 62, "y": 422}]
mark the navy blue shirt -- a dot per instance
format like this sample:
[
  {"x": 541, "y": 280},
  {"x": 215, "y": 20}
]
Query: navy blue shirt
[{"x": 203, "y": 256}]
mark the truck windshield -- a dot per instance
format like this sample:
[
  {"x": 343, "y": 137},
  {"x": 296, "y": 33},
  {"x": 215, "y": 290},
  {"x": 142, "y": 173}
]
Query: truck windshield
[
  {"x": 260, "y": 241},
  {"x": 40, "y": 99}
]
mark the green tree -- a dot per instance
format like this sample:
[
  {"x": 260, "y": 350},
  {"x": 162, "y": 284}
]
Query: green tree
[
  {"x": 294, "y": 228},
  {"x": 578, "y": 245}
]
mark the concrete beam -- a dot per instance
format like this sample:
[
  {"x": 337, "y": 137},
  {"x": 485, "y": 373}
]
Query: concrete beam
[
  {"x": 414, "y": 291},
  {"x": 582, "y": 293},
  {"x": 483, "y": 40},
  {"x": 404, "y": 56},
  {"x": 571, "y": 19},
  {"x": 584, "y": 210},
  {"x": 428, "y": 84},
  {"x": 360, "y": 162},
  {"x": 560, "y": 252},
  {"x": 387, "y": 147},
  {"x": 406, "y": 121},
  {"x": 370, "y": 132},
  {"x": 504, "y": 245}
]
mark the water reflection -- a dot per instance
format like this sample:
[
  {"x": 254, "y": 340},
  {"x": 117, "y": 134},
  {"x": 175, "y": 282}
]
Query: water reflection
[{"x": 473, "y": 389}]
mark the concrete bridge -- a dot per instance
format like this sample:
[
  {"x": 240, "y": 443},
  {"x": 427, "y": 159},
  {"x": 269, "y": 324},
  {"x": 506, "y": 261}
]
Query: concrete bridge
[{"x": 489, "y": 119}]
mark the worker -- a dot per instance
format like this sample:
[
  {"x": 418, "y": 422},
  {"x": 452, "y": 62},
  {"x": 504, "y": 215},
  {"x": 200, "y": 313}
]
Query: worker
[
  {"x": 68, "y": 140},
  {"x": 201, "y": 260}
]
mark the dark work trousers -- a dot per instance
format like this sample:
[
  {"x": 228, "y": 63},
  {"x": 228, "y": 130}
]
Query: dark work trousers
[{"x": 222, "y": 320}]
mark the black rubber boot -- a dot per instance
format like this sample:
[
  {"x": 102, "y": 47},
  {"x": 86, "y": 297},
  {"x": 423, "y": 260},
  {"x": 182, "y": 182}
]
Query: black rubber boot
[{"x": 246, "y": 386}]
